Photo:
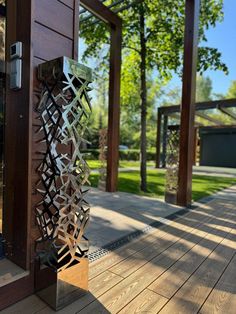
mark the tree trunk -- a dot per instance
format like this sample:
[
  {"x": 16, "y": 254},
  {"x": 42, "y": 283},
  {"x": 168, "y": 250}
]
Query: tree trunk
[{"x": 143, "y": 168}]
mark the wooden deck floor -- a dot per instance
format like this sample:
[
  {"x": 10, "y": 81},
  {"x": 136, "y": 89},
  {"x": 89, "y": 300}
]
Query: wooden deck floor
[{"x": 187, "y": 266}]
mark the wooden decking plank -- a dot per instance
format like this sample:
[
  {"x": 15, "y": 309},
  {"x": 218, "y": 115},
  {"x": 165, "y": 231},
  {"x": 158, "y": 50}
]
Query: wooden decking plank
[
  {"x": 146, "y": 302},
  {"x": 97, "y": 267},
  {"x": 170, "y": 281},
  {"x": 115, "y": 299},
  {"x": 129, "y": 288},
  {"x": 124, "y": 252},
  {"x": 136, "y": 245},
  {"x": 110, "y": 293},
  {"x": 165, "y": 239},
  {"x": 194, "y": 292},
  {"x": 223, "y": 297},
  {"x": 134, "y": 262},
  {"x": 100, "y": 305},
  {"x": 124, "y": 292},
  {"x": 103, "y": 283}
]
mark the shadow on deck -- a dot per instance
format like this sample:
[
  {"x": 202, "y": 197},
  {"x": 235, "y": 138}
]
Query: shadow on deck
[{"x": 185, "y": 266}]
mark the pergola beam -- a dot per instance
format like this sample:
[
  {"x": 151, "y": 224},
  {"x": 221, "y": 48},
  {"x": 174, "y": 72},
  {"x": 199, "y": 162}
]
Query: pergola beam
[
  {"x": 158, "y": 138},
  {"x": 113, "y": 5},
  {"x": 228, "y": 112},
  {"x": 101, "y": 11},
  {"x": 127, "y": 6},
  {"x": 226, "y": 103},
  {"x": 208, "y": 118},
  {"x": 164, "y": 140},
  {"x": 84, "y": 10},
  {"x": 91, "y": 15}
]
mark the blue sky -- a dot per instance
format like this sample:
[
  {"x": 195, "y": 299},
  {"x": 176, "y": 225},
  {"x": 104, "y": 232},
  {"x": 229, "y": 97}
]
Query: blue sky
[{"x": 223, "y": 37}]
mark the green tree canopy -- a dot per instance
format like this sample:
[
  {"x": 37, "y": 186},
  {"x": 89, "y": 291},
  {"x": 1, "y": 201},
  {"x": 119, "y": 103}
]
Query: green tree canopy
[
  {"x": 204, "y": 89},
  {"x": 164, "y": 29}
]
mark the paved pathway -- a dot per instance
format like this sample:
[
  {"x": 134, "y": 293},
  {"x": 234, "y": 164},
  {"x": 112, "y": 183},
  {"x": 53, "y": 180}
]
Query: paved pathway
[
  {"x": 115, "y": 215},
  {"x": 215, "y": 171}
]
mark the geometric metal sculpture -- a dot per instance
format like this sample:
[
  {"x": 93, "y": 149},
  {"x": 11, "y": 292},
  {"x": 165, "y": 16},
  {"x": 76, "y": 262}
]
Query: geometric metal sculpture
[
  {"x": 172, "y": 164},
  {"x": 103, "y": 159},
  {"x": 62, "y": 212}
]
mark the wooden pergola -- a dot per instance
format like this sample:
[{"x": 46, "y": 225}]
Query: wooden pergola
[
  {"x": 188, "y": 94},
  {"x": 165, "y": 114},
  {"x": 186, "y": 110}
]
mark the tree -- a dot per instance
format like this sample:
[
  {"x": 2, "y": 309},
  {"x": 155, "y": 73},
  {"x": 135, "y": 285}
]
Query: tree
[
  {"x": 172, "y": 95},
  {"x": 231, "y": 93},
  {"x": 204, "y": 89},
  {"x": 153, "y": 39},
  {"x": 98, "y": 119}
]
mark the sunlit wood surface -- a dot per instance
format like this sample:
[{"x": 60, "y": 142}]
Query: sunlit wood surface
[{"x": 186, "y": 266}]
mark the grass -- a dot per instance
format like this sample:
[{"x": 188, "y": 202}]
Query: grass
[
  {"x": 202, "y": 185},
  {"x": 95, "y": 164}
]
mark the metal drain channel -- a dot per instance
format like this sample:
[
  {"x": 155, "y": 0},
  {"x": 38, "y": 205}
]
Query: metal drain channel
[{"x": 106, "y": 249}]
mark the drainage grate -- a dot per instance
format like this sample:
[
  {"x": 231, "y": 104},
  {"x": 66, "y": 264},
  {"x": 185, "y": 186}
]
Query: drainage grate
[{"x": 106, "y": 249}]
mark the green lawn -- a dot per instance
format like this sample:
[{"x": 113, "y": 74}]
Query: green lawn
[
  {"x": 202, "y": 185},
  {"x": 95, "y": 164}
]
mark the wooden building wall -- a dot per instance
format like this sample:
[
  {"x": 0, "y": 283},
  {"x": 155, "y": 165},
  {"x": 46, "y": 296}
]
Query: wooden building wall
[
  {"x": 48, "y": 29},
  {"x": 54, "y": 34}
]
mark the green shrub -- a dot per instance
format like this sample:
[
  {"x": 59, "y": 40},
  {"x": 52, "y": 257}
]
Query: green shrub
[
  {"x": 91, "y": 154},
  {"x": 134, "y": 155},
  {"x": 128, "y": 154}
]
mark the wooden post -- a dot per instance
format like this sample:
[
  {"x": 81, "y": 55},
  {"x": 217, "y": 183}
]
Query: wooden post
[
  {"x": 164, "y": 140},
  {"x": 114, "y": 109},
  {"x": 158, "y": 138},
  {"x": 195, "y": 146},
  {"x": 184, "y": 196}
]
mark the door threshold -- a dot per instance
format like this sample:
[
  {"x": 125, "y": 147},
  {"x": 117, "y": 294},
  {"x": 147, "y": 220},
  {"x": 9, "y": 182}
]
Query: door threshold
[{"x": 10, "y": 272}]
